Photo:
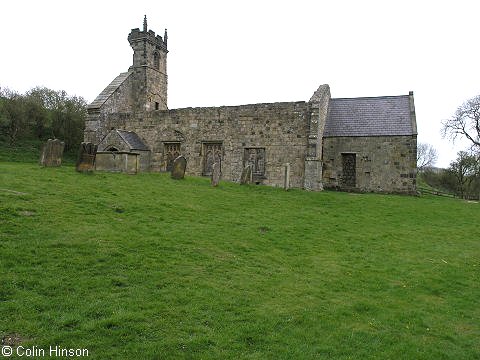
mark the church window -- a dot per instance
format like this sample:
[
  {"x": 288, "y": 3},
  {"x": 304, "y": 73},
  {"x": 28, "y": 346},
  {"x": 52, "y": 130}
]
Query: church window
[
  {"x": 171, "y": 151},
  {"x": 157, "y": 106},
  {"x": 156, "y": 60},
  {"x": 112, "y": 148},
  {"x": 256, "y": 158},
  {"x": 212, "y": 153}
]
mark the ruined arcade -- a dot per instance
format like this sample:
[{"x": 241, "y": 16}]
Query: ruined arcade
[{"x": 361, "y": 144}]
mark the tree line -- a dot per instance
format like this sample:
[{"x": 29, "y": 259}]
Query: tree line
[
  {"x": 40, "y": 114},
  {"x": 462, "y": 177}
]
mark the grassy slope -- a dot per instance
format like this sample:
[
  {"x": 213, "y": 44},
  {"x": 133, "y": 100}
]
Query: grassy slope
[
  {"x": 29, "y": 151},
  {"x": 147, "y": 267}
]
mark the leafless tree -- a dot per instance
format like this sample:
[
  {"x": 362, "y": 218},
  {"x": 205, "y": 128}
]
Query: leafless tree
[
  {"x": 426, "y": 156},
  {"x": 465, "y": 122}
]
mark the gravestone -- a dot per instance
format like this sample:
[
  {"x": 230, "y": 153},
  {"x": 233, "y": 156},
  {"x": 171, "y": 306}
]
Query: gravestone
[
  {"x": 86, "y": 157},
  {"x": 216, "y": 174},
  {"x": 286, "y": 176},
  {"x": 179, "y": 167},
  {"x": 246, "y": 177},
  {"x": 52, "y": 153}
]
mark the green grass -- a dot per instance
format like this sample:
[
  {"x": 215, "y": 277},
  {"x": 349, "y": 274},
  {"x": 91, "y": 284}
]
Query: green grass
[
  {"x": 145, "y": 267},
  {"x": 425, "y": 188},
  {"x": 29, "y": 151}
]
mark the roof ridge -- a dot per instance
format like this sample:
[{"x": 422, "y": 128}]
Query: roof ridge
[{"x": 370, "y": 97}]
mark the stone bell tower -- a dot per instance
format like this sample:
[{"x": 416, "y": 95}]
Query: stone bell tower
[{"x": 149, "y": 83}]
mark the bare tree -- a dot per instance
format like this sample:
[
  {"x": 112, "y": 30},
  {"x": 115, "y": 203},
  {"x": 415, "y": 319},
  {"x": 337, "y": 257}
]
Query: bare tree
[
  {"x": 465, "y": 122},
  {"x": 426, "y": 156}
]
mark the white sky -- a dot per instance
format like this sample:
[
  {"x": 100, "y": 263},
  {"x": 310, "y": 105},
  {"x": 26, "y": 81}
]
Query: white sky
[{"x": 253, "y": 51}]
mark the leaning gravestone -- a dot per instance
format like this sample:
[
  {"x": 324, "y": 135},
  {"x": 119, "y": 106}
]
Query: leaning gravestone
[
  {"x": 246, "y": 177},
  {"x": 179, "y": 167},
  {"x": 216, "y": 174},
  {"x": 86, "y": 157},
  {"x": 52, "y": 153}
]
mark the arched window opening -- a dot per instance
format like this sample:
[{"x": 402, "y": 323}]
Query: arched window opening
[
  {"x": 112, "y": 148},
  {"x": 156, "y": 60}
]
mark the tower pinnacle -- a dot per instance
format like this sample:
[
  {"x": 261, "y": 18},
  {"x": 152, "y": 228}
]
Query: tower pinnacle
[{"x": 149, "y": 68}]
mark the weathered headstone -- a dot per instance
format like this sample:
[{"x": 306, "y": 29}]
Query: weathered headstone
[
  {"x": 179, "y": 167},
  {"x": 86, "y": 157},
  {"x": 52, "y": 153},
  {"x": 216, "y": 174},
  {"x": 247, "y": 176},
  {"x": 286, "y": 176}
]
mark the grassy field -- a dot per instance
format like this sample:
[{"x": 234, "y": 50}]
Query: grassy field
[{"x": 145, "y": 267}]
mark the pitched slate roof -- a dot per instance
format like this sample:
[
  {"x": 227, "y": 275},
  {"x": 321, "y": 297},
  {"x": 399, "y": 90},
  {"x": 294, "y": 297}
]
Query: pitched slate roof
[
  {"x": 369, "y": 116},
  {"x": 109, "y": 90},
  {"x": 132, "y": 140}
]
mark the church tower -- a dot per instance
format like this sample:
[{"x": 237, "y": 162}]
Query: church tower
[{"x": 149, "y": 83}]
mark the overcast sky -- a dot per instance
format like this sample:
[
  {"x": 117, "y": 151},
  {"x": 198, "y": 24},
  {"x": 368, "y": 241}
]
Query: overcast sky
[{"x": 253, "y": 51}]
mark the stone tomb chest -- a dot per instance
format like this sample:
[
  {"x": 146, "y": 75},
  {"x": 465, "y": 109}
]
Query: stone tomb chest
[
  {"x": 117, "y": 161},
  {"x": 122, "y": 151}
]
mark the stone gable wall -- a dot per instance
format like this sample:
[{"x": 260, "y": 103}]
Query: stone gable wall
[
  {"x": 319, "y": 104},
  {"x": 113, "y": 140},
  {"x": 383, "y": 163},
  {"x": 120, "y": 102}
]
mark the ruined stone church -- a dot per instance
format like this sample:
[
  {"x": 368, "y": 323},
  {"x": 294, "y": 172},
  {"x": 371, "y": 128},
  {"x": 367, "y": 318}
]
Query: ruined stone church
[{"x": 357, "y": 144}]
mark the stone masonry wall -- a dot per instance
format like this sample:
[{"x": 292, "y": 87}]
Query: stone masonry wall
[
  {"x": 279, "y": 128},
  {"x": 120, "y": 102},
  {"x": 383, "y": 163},
  {"x": 113, "y": 140},
  {"x": 319, "y": 104}
]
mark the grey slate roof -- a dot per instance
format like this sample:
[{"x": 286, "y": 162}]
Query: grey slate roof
[
  {"x": 133, "y": 140},
  {"x": 109, "y": 90},
  {"x": 369, "y": 116}
]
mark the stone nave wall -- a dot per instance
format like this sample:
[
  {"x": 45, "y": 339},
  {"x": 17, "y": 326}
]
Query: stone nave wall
[{"x": 274, "y": 133}]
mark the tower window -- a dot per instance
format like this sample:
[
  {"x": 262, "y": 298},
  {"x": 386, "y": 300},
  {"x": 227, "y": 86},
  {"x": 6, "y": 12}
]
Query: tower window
[
  {"x": 156, "y": 60},
  {"x": 157, "y": 106}
]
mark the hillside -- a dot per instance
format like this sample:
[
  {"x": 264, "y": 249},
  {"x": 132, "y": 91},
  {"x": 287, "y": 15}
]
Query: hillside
[{"x": 142, "y": 267}]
